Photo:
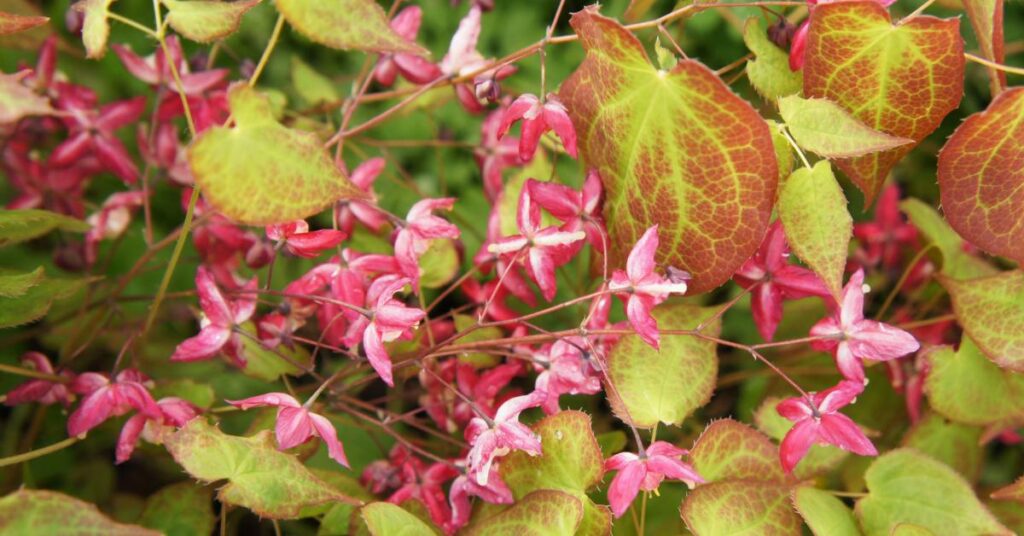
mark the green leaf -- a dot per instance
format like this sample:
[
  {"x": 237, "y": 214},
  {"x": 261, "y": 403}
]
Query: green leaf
[
  {"x": 16, "y": 285},
  {"x": 906, "y": 486},
  {"x": 206, "y": 21},
  {"x": 541, "y": 513},
  {"x": 339, "y": 514},
  {"x": 677, "y": 149},
  {"x": 14, "y": 23},
  {"x": 181, "y": 509},
  {"x": 991, "y": 311},
  {"x": 262, "y": 173},
  {"x": 36, "y": 300},
  {"x": 269, "y": 364},
  {"x": 665, "y": 386},
  {"x": 819, "y": 460},
  {"x": 313, "y": 87},
  {"x": 477, "y": 359},
  {"x": 346, "y": 25},
  {"x": 47, "y": 512},
  {"x": 20, "y": 225},
  {"x": 957, "y": 262},
  {"x": 818, "y": 226},
  {"x": 666, "y": 59},
  {"x": 740, "y": 507},
  {"x": 386, "y": 519},
  {"x": 439, "y": 264},
  {"x": 769, "y": 72},
  {"x": 824, "y": 513},
  {"x": 859, "y": 59},
  {"x": 18, "y": 101},
  {"x": 95, "y": 27},
  {"x": 730, "y": 450},
  {"x": 954, "y": 444},
  {"x": 825, "y": 128},
  {"x": 199, "y": 394},
  {"x": 964, "y": 386},
  {"x": 783, "y": 150},
  {"x": 907, "y": 529},
  {"x": 270, "y": 483}
]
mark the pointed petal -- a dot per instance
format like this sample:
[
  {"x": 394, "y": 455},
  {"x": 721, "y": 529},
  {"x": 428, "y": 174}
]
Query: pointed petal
[
  {"x": 213, "y": 303},
  {"x": 310, "y": 245},
  {"x": 417, "y": 69},
  {"x": 129, "y": 437},
  {"x": 542, "y": 267},
  {"x": 93, "y": 410},
  {"x": 293, "y": 427},
  {"x": 640, "y": 262},
  {"x": 269, "y": 399},
  {"x": 515, "y": 112},
  {"x": 327, "y": 433},
  {"x": 796, "y": 443},
  {"x": 625, "y": 486},
  {"x": 850, "y": 366},
  {"x": 851, "y": 310},
  {"x": 377, "y": 355},
  {"x": 673, "y": 468},
  {"x": 841, "y": 431},
  {"x": 880, "y": 342},
  {"x": 558, "y": 199},
  {"x": 638, "y": 309},
  {"x": 766, "y": 306},
  {"x": 558, "y": 120},
  {"x": 205, "y": 345}
]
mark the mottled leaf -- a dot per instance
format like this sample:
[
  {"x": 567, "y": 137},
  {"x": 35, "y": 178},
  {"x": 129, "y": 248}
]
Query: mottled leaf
[
  {"x": 13, "y": 23},
  {"x": 730, "y": 450},
  {"x": 541, "y": 513},
  {"x": 769, "y": 71},
  {"x": 740, "y": 507},
  {"x": 677, "y": 149},
  {"x": 825, "y": 128},
  {"x": 260, "y": 172},
  {"x": 270, "y": 483},
  {"x": 29, "y": 511},
  {"x": 899, "y": 79},
  {"x": 818, "y": 225},
  {"x": 991, "y": 311},
  {"x": 21, "y": 225},
  {"x": 18, "y": 101},
  {"x": 986, "y": 18},
  {"x": 345, "y": 25},
  {"x": 313, "y": 87},
  {"x": 181, "y": 509},
  {"x": 95, "y": 27},
  {"x": 386, "y": 519},
  {"x": 206, "y": 21},
  {"x": 906, "y": 486},
  {"x": 825, "y": 514},
  {"x": 819, "y": 460},
  {"x": 964, "y": 386},
  {"x": 981, "y": 177},
  {"x": 16, "y": 285},
  {"x": 665, "y": 386},
  {"x": 957, "y": 261},
  {"x": 954, "y": 444},
  {"x": 35, "y": 301}
]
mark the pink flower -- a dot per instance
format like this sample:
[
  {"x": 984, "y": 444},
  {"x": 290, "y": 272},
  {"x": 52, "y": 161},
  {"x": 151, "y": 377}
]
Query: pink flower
[
  {"x": 645, "y": 472},
  {"x": 413, "y": 68},
  {"x": 885, "y": 239},
  {"x": 641, "y": 289},
  {"x": 367, "y": 213},
  {"x": 91, "y": 132},
  {"x": 851, "y": 338},
  {"x": 421, "y": 226},
  {"x": 425, "y": 484},
  {"x": 543, "y": 249},
  {"x": 302, "y": 242},
  {"x": 581, "y": 211},
  {"x": 388, "y": 320},
  {"x": 463, "y": 59},
  {"x": 45, "y": 392},
  {"x": 103, "y": 399},
  {"x": 492, "y": 438},
  {"x": 798, "y": 45},
  {"x": 566, "y": 369},
  {"x": 495, "y": 154},
  {"x": 538, "y": 117},
  {"x": 219, "y": 320},
  {"x": 111, "y": 220},
  {"x": 818, "y": 421},
  {"x": 296, "y": 424},
  {"x": 155, "y": 70},
  {"x": 776, "y": 280},
  {"x": 464, "y": 487},
  {"x": 174, "y": 412}
]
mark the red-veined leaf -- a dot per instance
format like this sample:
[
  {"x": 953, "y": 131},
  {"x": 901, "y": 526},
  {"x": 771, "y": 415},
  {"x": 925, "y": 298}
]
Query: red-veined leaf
[{"x": 991, "y": 311}]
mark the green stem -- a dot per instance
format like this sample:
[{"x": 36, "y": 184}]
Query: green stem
[
  {"x": 38, "y": 453},
  {"x": 266, "y": 51}
]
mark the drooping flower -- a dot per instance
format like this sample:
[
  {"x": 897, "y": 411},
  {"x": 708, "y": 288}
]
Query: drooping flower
[
  {"x": 487, "y": 390},
  {"x": 493, "y": 438},
  {"x": 851, "y": 338},
  {"x": 565, "y": 369},
  {"x": 45, "y": 392},
  {"x": 220, "y": 317},
  {"x": 111, "y": 221},
  {"x": 421, "y": 226},
  {"x": 645, "y": 471},
  {"x": 774, "y": 280},
  {"x": 581, "y": 211},
  {"x": 174, "y": 412},
  {"x": 818, "y": 421},
  {"x": 640, "y": 288},
  {"x": 495, "y": 154},
  {"x": 296, "y": 424},
  {"x": 103, "y": 399},
  {"x": 464, "y": 487},
  {"x": 388, "y": 320},
  {"x": 412, "y": 67},
  {"x": 538, "y": 117},
  {"x": 463, "y": 59},
  {"x": 302, "y": 242},
  {"x": 350, "y": 211},
  {"x": 425, "y": 484}
]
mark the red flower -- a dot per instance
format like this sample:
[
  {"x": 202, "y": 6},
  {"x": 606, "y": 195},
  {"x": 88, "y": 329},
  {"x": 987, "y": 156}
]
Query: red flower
[
  {"x": 302, "y": 242},
  {"x": 91, "y": 132},
  {"x": 538, "y": 117},
  {"x": 818, "y": 421},
  {"x": 220, "y": 317},
  {"x": 296, "y": 424},
  {"x": 111, "y": 221},
  {"x": 413, "y": 68},
  {"x": 388, "y": 320},
  {"x": 885, "y": 239},
  {"x": 421, "y": 226},
  {"x": 103, "y": 399},
  {"x": 581, "y": 211},
  {"x": 645, "y": 471},
  {"x": 492, "y": 438},
  {"x": 366, "y": 213}
]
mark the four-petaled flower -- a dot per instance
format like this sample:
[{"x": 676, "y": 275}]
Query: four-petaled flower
[
  {"x": 538, "y": 117},
  {"x": 220, "y": 318},
  {"x": 103, "y": 399},
  {"x": 302, "y": 242},
  {"x": 579, "y": 210},
  {"x": 296, "y": 424},
  {"x": 463, "y": 487},
  {"x": 91, "y": 132},
  {"x": 641, "y": 288},
  {"x": 645, "y": 471},
  {"x": 818, "y": 421},
  {"x": 387, "y": 320},
  {"x": 494, "y": 438},
  {"x": 850, "y": 337}
]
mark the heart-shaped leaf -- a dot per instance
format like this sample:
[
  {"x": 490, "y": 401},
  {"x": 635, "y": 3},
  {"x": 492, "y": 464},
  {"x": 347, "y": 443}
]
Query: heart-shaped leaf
[
  {"x": 954, "y": 444},
  {"x": 900, "y": 79},
  {"x": 541, "y": 513},
  {"x": 674, "y": 148},
  {"x": 991, "y": 311},
  {"x": 260, "y": 172},
  {"x": 825, "y": 128},
  {"x": 981, "y": 177},
  {"x": 964, "y": 386},
  {"x": 825, "y": 514},
  {"x": 29, "y": 511},
  {"x": 769, "y": 71},
  {"x": 346, "y": 25},
  {"x": 206, "y": 21},
  {"x": 732, "y": 450},
  {"x": 759, "y": 507},
  {"x": 35, "y": 296},
  {"x": 386, "y": 519}
]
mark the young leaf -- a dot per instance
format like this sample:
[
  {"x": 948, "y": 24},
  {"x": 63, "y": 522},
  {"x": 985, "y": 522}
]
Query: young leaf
[
  {"x": 825, "y": 128},
  {"x": 21, "y": 225},
  {"x": 900, "y": 79},
  {"x": 730, "y": 450},
  {"x": 313, "y": 87},
  {"x": 346, "y": 25},
  {"x": 14, "y": 23},
  {"x": 541, "y": 513},
  {"x": 270, "y": 483},
  {"x": 757, "y": 507},
  {"x": 206, "y": 21},
  {"x": 954, "y": 444},
  {"x": 965, "y": 387},
  {"x": 385, "y": 519},
  {"x": 957, "y": 261},
  {"x": 824, "y": 513},
  {"x": 769, "y": 72},
  {"x": 261, "y": 172},
  {"x": 981, "y": 177},
  {"x": 906, "y": 486},
  {"x": 665, "y": 386},
  {"x": 18, "y": 101},
  {"x": 95, "y": 27},
  {"x": 677, "y": 149},
  {"x": 16, "y": 285},
  {"x": 991, "y": 311},
  {"x": 180, "y": 509},
  {"x": 813, "y": 211},
  {"x": 986, "y": 18},
  {"x": 35, "y": 301},
  {"x": 1013, "y": 492},
  {"x": 29, "y": 511}
]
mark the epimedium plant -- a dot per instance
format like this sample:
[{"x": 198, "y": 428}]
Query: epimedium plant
[{"x": 568, "y": 339}]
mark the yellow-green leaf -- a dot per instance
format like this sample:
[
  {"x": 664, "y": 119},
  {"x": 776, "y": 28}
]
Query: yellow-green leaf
[
  {"x": 756, "y": 507},
  {"x": 824, "y": 513},
  {"x": 825, "y": 128},
  {"x": 964, "y": 386},
  {"x": 34, "y": 301},
  {"x": 386, "y": 519},
  {"x": 769, "y": 72},
  {"x": 181, "y": 509},
  {"x": 954, "y": 444},
  {"x": 730, "y": 450},
  {"x": 16, "y": 285},
  {"x": 991, "y": 311},
  {"x": 346, "y": 25},
  {"x": 541, "y": 513},
  {"x": 260, "y": 172},
  {"x": 206, "y": 21},
  {"x": 95, "y": 27},
  {"x": 30, "y": 512},
  {"x": 957, "y": 262},
  {"x": 313, "y": 87}
]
